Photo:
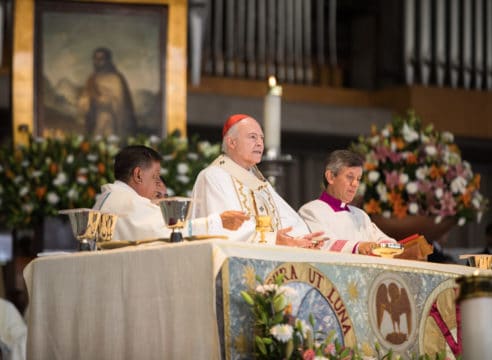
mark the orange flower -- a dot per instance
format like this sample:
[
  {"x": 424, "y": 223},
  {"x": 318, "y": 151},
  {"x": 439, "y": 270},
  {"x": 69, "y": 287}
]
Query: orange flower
[
  {"x": 372, "y": 207},
  {"x": 288, "y": 309},
  {"x": 400, "y": 144},
  {"x": 85, "y": 147},
  {"x": 41, "y": 192},
  {"x": 466, "y": 198},
  {"x": 476, "y": 181},
  {"x": 411, "y": 158},
  {"x": 91, "y": 192},
  {"x": 434, "y": 172},
  {"x": 53, "y": 168},
  {"x": 368, "y": 166},
  {"x": 394, "y": 198},
  {"x": 101, "y": 168},
  {"x": 400, "y": 210}
]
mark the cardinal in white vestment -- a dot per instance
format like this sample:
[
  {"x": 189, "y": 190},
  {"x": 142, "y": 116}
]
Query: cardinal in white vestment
[
  {"x": 131, "y": 196},
  {"x": 347, "y": 228},
  {"x": 233, "y": 181}
]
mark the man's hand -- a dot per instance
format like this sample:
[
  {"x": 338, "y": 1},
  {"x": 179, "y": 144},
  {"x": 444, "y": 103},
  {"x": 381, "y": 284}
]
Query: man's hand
[
  {"x": 232, "y": 219},
  {"x": 306, "y": 241},
  {"x": 366, "y": 247}
]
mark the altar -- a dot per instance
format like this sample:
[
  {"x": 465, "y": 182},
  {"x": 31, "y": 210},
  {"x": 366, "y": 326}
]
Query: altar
[{"x": 182, "y": 301}]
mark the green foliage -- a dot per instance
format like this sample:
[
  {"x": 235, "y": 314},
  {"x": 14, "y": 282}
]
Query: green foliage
[{"x": 50, "y": 174}]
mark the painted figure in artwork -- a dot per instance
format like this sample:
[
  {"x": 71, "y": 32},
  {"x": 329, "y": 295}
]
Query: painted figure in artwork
[{"x": 106, "y": 102}]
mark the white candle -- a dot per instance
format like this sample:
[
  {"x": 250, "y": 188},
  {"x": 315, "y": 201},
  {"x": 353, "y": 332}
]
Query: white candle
[
  {"x": 271, "y": 118},
  {"x": 475, "y": 301}
]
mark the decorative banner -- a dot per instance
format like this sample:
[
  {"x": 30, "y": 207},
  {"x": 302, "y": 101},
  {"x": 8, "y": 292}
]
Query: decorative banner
[{"x": 411, "y": 311}]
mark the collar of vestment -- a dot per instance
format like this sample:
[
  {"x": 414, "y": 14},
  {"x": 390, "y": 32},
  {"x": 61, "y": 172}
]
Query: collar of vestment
[
  {"x": 252, "y": 190},
  {"x": 253, "y": 178},
  {"x": 336, "y": 204}
]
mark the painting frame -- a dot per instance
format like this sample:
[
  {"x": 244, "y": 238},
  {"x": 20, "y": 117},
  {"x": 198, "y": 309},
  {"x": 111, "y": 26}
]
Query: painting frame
[{"x": 24, "y": 111}]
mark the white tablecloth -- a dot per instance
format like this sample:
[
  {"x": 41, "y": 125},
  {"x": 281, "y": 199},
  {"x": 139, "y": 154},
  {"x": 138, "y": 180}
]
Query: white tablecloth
[{"x": 147, "y": 302}]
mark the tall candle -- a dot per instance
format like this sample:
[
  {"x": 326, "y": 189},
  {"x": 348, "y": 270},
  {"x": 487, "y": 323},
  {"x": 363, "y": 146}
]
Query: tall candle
[
  {"x": 475, "y": 301},
  {"x": 271, "y": 118}
]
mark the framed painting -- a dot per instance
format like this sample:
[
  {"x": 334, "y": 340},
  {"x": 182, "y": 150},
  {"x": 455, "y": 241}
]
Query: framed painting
[{"x": 99, "y": 67}]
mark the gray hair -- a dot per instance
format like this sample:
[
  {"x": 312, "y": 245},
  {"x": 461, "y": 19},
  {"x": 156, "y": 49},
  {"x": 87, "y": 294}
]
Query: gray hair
[
  {"x": 339, "y": 159},
  {"x": 232, "y": 132}
]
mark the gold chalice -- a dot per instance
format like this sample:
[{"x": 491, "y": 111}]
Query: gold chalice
[
  {"x": 388, "y": 250},
  {"x": 105, "y": 230},
  {"x": 263, "y": 224}
]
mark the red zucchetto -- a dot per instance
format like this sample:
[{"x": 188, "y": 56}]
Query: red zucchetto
[{"x": 231, "y": 121}]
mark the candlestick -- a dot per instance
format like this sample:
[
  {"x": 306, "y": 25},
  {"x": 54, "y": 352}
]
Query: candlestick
[{"x": 271, "y": 118}]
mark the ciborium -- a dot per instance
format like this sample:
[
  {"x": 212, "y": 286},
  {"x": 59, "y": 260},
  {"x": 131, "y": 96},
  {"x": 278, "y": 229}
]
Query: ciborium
[
  {"x": 84, "y": 223},
  {"x": 175, "y": 211}
]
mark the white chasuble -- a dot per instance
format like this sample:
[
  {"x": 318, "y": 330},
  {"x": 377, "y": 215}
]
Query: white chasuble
[{"x": 224, "y": 185}]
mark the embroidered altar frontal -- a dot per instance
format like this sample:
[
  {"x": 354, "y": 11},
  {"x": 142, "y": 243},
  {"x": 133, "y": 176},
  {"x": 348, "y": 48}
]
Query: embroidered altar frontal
[{"x": 410, "y": 310}]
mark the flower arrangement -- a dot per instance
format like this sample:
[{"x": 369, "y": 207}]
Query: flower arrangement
[
  {"x": 280, "y": 335},
  {"x": 49, "y": 174},
  {"x": 415, "y": 170}
]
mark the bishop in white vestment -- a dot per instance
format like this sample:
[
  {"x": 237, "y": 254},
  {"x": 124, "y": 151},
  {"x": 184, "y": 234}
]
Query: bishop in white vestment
[{"x": 233, "y": 181}]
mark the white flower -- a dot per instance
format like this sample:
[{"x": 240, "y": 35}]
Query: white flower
[
  {"x": 113, "y": 138},
  {"x": 170, "y": 192},
  {"x": 183, "y": 179},
  {"x": 287, "y": 291},
  {"x": 386, "y": 214},
  {"x": 168, "y": 157},
  {"x": 164, "y": 171},
  {"x": 362, "y": 189},
  {"x": 458, "y": 185},
  {"x": 52, "y": 198},
  {"x": 431, "y": 150},
  {"x": 18, "y": 179},
  {"x": 382, "y": 192},
  {"x": 439, "y": 193},
  {"x": 83, "y": 170},
  {"x": 409, "y": 134},
  {"x": 438, "y": 219},
  {"x": 24, "y": 191},
  {"x": 72, "y": 194},
  {"x": 153, "y": 139},
  {"x": 385, "y": 132},
  {"x": 412, "y": 187},
  {"x": 461, "y": 221},
  {"x": 69, "y": 159},
  {"x": 319, "y": 357},
  {"x": 413, "y": 208},
  {"x": 81, "y": 179},
  {"x": 92, "y": 157},
  {"x": 192, "y": 156},
  {"x": 447, "y": 136},
  {"x": 281, "y": 332},
  {"x": 182, "y": 168},
  {"x": 36, "y": 173},
  {"x": 373, "y": 176},
  {"x": 263, "y": 289},
  {"x": 403, "y": 178},
  {"x": 93, "y": 168},
  {"x": 421, "y": 172},
  {"x": 61, "y": 179},
  {"x": 25, "y": 163},
  {"x": 28, "y": 208}
]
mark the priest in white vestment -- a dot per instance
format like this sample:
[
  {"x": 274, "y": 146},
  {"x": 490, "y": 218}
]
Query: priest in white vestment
[
  {"x": 233, "y": 181},
  {"x": 347, "y": 228},
  {"x": 131, "y": 197}
]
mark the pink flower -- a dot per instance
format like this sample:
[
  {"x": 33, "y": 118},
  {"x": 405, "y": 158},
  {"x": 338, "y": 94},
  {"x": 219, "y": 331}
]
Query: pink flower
[
  {"x": 309, "y": 354},
  {"x": 330, "y": 349},
  {"x": 392, "y": 179}
]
